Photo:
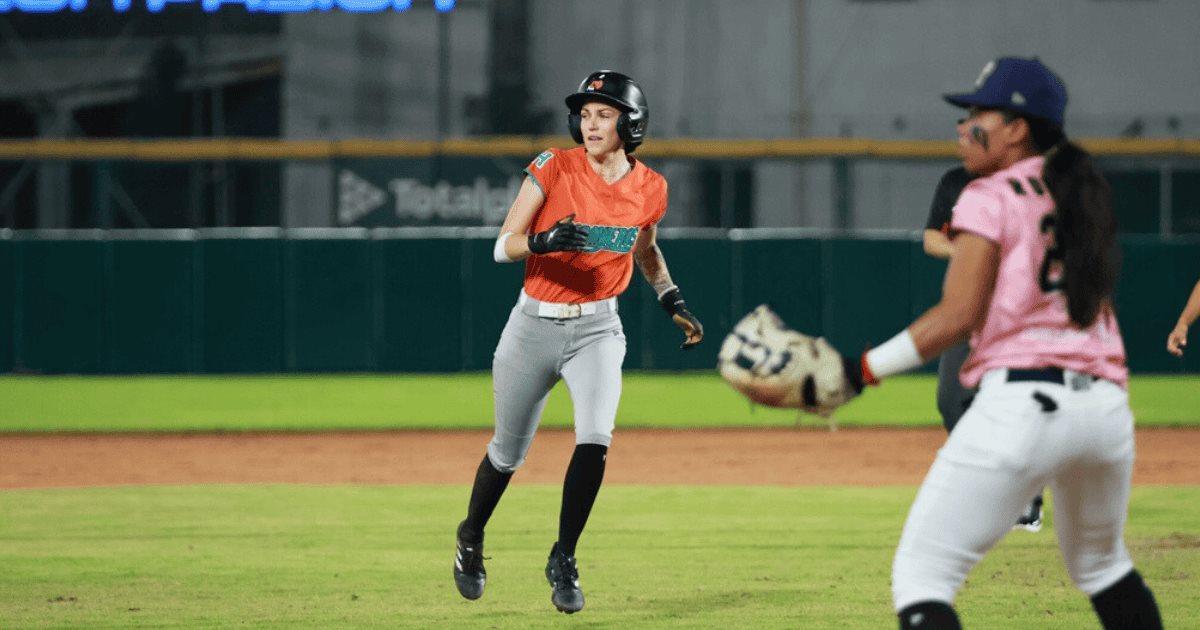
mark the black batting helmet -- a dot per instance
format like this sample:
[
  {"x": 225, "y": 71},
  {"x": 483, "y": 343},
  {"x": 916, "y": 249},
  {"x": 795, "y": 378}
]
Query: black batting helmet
[{"x": 617, "y": 90}]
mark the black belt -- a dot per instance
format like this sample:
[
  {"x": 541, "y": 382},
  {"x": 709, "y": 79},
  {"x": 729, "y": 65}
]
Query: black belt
[
  {"x": 1049, "y": 375},
  {"x": 1080, "y": 381}
]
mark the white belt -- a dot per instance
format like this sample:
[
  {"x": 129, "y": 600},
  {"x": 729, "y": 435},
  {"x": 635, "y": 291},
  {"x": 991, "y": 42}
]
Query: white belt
[{"x": 555, "y": 310}]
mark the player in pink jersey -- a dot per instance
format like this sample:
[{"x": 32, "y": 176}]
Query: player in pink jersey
[{"x": 1030, "y": 282}]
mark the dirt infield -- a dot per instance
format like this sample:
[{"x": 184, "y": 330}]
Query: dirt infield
[{"x": 760, "y": 456}]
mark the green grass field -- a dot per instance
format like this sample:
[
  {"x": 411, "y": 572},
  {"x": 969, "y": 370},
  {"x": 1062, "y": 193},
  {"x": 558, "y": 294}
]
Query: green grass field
[
  {"x": 654, "y": 557},
  {"x": 461, "y": 401},
  {"x": 279, "y": 556}
]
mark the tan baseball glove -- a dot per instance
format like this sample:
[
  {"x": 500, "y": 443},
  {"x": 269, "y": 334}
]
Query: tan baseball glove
[{"x": 776, "y": 366}]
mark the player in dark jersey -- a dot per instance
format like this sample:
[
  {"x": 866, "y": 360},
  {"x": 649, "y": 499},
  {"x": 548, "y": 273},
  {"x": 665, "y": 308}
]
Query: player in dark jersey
[{"x": 952, "y": 397}]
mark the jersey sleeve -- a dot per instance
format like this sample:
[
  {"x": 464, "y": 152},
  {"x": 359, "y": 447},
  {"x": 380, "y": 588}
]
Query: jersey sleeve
[
  {"x": 659, "y": 206},
  {"x": 544, "y": 170},
  {"x": 979, "y": 211}
]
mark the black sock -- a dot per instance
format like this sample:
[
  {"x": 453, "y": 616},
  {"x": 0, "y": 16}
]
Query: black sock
[
  {"x": 485, "y": 494},
  {"x": 929, "y": 616},
  {"x": 1127, "y": 605},
  {"x": 584, "y": 475}
]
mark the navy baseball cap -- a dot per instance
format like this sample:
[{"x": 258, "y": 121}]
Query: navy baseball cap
[{"x": 1025, "y": 86}]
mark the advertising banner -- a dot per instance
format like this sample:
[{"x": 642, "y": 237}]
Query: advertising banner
[{"x": 449, "y": 191}]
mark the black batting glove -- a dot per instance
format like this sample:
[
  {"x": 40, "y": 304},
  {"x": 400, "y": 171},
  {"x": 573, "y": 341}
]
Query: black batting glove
[
  {"x": 564, "y": 236},
  {"x": 692, "y": 329}
]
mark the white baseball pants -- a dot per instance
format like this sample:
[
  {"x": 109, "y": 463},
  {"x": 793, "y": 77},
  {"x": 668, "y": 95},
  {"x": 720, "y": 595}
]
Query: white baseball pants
[{"x": 1005, "y": 449}]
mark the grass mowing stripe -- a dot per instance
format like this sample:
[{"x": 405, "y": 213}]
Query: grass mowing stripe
[
  {"x": 461, "y": 401},
  {"x": 653, "y": 557}
]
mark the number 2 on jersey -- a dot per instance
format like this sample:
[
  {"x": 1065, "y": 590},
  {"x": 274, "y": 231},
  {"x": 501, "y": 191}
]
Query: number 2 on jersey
[{"x": 1050, "y": 276}]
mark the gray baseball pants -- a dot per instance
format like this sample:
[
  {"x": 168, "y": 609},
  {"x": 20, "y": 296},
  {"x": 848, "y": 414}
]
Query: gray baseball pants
[
  {"x": 952, "y": 397},
  {"x": 544, "y": 343}
]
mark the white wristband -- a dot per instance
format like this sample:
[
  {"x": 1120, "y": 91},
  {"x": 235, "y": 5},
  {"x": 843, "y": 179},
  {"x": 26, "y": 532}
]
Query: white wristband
[
  {"x": 498, "y": 253},
  {"x": 896, "y": 355}
]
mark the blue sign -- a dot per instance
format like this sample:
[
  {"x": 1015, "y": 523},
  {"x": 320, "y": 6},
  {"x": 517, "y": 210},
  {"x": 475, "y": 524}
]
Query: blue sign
[{"x": 212, "y": 6}]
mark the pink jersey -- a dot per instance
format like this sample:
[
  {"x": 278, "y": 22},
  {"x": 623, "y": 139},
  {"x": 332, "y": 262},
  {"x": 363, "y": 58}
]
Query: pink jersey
[{"x": 1027, "y": 325}]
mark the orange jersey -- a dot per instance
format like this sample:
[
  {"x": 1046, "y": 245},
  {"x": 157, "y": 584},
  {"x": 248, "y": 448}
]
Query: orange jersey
[{"x": 614, "y": 213}]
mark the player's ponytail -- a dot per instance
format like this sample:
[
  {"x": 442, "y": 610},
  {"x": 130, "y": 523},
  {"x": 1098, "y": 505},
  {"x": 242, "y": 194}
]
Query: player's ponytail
[{"x": 1086, "y": 225}]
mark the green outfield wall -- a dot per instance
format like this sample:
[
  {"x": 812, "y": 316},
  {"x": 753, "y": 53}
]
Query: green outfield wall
[{"x": 266, "y": 300}]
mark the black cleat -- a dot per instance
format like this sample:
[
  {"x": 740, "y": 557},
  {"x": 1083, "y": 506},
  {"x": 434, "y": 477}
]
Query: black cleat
[
  {"x": 1031, "y": 520},
  {"x": 469, "y": 574},
  {"x": 564, "y": 582}
]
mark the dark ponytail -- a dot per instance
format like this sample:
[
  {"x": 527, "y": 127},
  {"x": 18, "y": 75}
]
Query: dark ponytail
[{"x": 1086, "y": 227}]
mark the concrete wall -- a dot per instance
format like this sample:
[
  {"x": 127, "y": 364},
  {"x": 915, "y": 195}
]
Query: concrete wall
[
  {"x": 875, "y": 69},
  {"x": 759, "y": 68},
  {"x": 374, "y": 76}
]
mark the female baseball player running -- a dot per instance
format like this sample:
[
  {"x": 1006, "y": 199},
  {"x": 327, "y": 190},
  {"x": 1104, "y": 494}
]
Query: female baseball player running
[
  {"x": 1031, "y": 280},
  {"x": 580, "y": 220}
]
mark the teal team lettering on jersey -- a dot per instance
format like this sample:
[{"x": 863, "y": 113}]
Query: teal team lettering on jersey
[
  {"x": 615, "y": 215},
  {"x": 613, "y": 238}
]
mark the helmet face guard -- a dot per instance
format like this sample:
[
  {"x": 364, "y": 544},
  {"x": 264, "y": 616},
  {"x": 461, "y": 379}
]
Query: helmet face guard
[{"x": 618, "y": 90}]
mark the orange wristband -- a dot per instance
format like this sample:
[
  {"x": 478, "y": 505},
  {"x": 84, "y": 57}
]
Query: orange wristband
[{"x": 867, "y": 376}]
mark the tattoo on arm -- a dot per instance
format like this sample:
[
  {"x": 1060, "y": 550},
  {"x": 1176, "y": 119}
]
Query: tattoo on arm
[{"x": 654, "y": 268}]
